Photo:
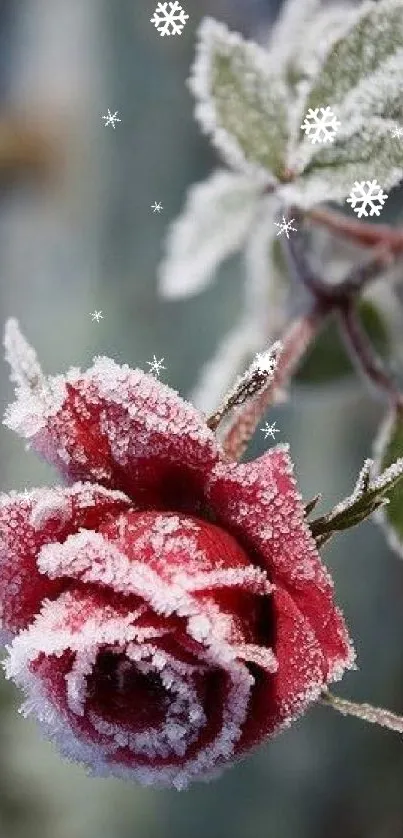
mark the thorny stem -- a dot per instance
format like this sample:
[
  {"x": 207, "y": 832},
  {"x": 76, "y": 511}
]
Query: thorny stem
[
  {"x": 295, "y": 342},
  {"x": 341, "y": 298},
  {"x": 368, "y": 361},
  {"x": 359, "y": 276},
  {"x": 368, "y": 235},
  {"x": 327, "y": 298},
  {"x": 366, "y": 712}
]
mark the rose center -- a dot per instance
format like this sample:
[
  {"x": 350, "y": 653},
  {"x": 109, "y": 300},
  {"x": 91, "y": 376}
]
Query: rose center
[{"x": 119, "y": 692}]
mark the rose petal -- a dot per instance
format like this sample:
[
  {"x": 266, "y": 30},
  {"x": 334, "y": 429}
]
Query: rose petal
[
  {"x": 117, "y": 426},
  {"x": 260, "y": 503},
  {"x": 140, "y": 553},
  {"x": 277, "y": 699},
  {"x": 53, "y": 661},
  {"x": 27, "y": 522}
]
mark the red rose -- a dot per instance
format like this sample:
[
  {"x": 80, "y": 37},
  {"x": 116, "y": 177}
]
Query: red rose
[{"x": 168, "y": 610}]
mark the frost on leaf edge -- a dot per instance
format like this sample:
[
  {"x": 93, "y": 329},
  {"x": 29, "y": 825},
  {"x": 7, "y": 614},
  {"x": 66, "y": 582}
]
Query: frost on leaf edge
[
  {"x": 199, "y": 195},
  {"x": 209, "y": 33}
]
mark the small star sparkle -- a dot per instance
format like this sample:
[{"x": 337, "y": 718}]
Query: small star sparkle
[
  {"x": 156, "y": 366},
  {"x": 270, "y": 430},
  {"x": 397, "y": 132},
  {"x": 111, "y": 119},
  {"x": 285, "y": 227},
  {"x": 97, "y": 315},
  {"x": 156, "y": 207}
]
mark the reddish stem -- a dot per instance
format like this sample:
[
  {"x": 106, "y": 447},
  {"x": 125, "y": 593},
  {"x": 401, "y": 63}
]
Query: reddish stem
[
  {"x": 295, "y": 342},
  {"x": 363, "y": 352},
  {"x": 368, "y": 235}
]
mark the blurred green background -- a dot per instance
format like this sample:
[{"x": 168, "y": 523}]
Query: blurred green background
[{"x": 77, "y": 234}]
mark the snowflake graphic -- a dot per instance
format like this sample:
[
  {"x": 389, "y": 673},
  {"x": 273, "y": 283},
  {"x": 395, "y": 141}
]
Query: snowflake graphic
[
  {"x": 397, "y": 132},
  {"x": 111, "y": 118},
  {"x": 156, "y": 366},
  {"x": 157, "y": 207},
  {"x": 270, "y": 430},
  {"x": 169, "y": 22},
  {"x": 285, "y": 227},
  {"x": 368, "y": 193},
  {"x": 323, "y": 128},
  {"x": 97, "y": 315}
]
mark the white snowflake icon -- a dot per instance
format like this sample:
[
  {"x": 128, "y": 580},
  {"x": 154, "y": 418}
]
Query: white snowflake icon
[
  {"x": 169, "y": 22},
  {"x": 367, "y": 193},
  {"x": 111, "y": 118},
  {"x": 320, "y": 128},
  {"x": 156, "y": 366},
  {"x": 285, "y": 227},
  {"x": 398, "y": 132},
  {"x": 270, "y": 430}
]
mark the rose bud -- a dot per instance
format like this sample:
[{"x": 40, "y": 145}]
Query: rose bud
[{"x": 168, "y": 610}]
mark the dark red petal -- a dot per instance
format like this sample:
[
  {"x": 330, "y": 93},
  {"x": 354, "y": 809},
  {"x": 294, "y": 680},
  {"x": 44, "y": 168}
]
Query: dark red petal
[
  {"x": 116, "y": 426},
  {"x": 30, "y": 520},
  {"x": 277, "y": 699},
  {"x": 260, "y": 503}
]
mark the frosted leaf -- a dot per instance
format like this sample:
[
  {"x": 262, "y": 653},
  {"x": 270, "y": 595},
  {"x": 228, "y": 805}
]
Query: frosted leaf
[
  {"x": 26, "y": 371},
  {"x": 367, "y": 155},
  {"x": 360, "y": 80},
  {"x": 266, "y": 288},
  {"x": 318, "y": 36},
  {"x": 370, "y": 38},
  {"x": 377, "y": 95},
  {"x": 374, "y": 487},
  {"x": 290, "y": 29},
  {"x": 256, "y": 378},
  {"x": 264, "y": 297},
  {"x": 241, "y": 101},
  {"x": 35, "y": 396},
  {"x": 214, "y": 223},
  {"x": 388, "y": 451},
  {"x": 233, "y": 352}
]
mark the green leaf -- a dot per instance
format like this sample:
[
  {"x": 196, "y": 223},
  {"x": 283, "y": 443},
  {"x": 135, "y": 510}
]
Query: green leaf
[
  {"x": 360, "y": 79},
  {"x": 372, "y": 153},
  {"x": 214, "y": 224},
  {"x": 370, "y": 39},
  {"x": 241, "y": 100},
  {"x": 371, "y": 492},
  {"x": 388, "y": 448},
  {"x": 327, "y": 359}
]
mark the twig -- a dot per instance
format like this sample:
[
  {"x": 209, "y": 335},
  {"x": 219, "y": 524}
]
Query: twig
[
  {"x": 363, "y": 352},
  {"x": 368, "y": 235},
  {"x": 295, "y": 342}
]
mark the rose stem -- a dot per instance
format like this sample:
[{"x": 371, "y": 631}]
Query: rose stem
[
  {"x": 358, "y": 231},
  {"x": 363, "y": 353},
  {"x": 297, "y": 338}
]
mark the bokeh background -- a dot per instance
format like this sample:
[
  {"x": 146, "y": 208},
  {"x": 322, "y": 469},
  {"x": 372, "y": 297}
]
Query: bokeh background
[{"x": 77, "y": 234}]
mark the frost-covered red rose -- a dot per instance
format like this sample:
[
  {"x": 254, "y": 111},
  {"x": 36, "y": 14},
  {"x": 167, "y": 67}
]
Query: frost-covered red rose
[{"x": 168, "y": 610}]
